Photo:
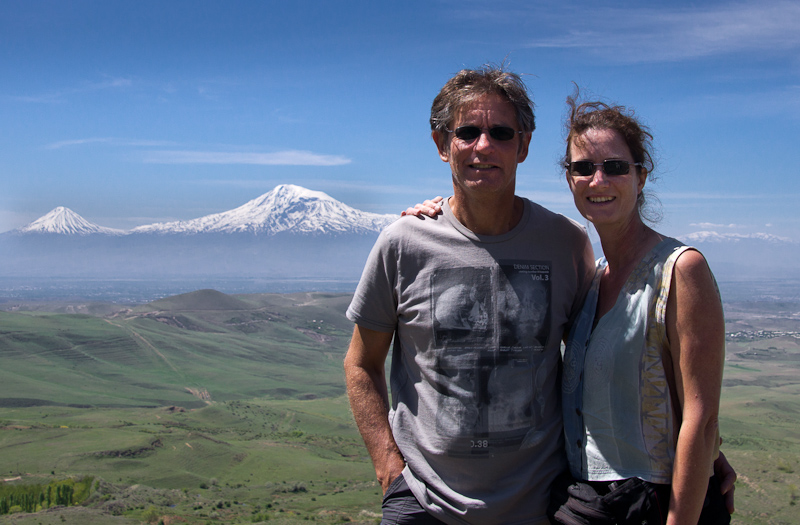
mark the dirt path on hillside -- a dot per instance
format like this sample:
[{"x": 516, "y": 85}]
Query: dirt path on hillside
[
  {"x": 200, "y": 393},
  {"x": 144, "y": 341}
]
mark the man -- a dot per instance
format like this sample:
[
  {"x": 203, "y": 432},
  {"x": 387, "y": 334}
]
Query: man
[{"x": 476, "y": 301}]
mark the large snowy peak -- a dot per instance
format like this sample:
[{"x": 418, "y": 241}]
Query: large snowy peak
[
  {"x": 64, "y": 221},
  {"x": 287, "y": 208}
]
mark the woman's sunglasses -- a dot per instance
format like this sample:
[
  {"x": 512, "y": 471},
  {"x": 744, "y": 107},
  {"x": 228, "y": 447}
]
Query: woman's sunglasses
[
  {"x": 586, "y": 168},
  {"x": 470, "y": 133}
]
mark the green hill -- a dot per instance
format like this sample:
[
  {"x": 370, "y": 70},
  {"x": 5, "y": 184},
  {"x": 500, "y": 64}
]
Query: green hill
[
  {"x": 213, "y": 408},
  {"x": 200, "y": 300},
  {"x": 185, "y": 350}
]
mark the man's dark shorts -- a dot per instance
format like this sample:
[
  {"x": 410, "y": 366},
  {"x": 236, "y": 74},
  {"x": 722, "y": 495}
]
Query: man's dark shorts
[{"x": 400, "y": 507}]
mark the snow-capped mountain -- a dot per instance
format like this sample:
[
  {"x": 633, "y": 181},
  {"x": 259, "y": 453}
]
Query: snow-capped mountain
[
  {"x": 287, "y": 208},
  {"x": 64, "y": 221},
  {"x": 289, "y": 233}
]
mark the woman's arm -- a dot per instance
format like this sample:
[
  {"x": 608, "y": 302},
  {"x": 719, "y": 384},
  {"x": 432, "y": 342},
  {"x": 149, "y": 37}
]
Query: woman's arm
[{"x": 696, "y": 332}]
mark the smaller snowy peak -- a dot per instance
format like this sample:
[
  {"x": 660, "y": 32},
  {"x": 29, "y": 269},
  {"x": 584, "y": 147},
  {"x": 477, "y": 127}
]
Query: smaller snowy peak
[
  {"x": 715, "y": 237},
  {"x": 64, "y": 221},
  {"x": 287, "y": 208}
]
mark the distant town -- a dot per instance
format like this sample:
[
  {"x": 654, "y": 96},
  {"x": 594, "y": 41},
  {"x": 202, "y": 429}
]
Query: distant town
[{"x": 752, "y": 335}]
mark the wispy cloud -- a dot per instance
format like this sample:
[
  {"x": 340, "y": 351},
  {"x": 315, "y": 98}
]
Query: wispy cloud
[
  {"x": 58, "y": 96},
  {"x": 108, "y": 140},
  {"x": 108, "y": 83},
  {"x": 673, "y": 34},
  {"x": 278, "y": 158},
  {"x": 711, "y": 225},
  {"x": 686, "y": 196},
  {"x": 713, "y": 236},
  {"x": 781, "y": 101}
]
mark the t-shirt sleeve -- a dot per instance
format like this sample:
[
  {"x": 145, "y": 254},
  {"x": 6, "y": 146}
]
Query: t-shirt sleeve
[{"x": 374, "y": 304}]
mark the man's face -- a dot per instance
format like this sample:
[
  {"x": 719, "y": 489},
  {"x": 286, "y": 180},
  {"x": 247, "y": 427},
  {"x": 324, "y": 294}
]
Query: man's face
[{"x": 484, "y": 164}]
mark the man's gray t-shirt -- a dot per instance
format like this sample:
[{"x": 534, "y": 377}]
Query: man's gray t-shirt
[{"x": 478, "y": 323}]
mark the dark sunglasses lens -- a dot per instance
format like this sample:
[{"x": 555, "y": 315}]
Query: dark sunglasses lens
[
  {"x": 468, "y": 133},
  {"x": 616, "y": 167},
  {"x": 502, "y": 133},
  {"x": 582, "y": 168}
]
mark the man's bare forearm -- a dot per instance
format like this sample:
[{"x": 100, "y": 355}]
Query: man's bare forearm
[{"x": 369, "y": 401}]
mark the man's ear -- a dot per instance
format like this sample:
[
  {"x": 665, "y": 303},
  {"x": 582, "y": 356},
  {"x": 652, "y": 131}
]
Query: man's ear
[
  {"x": 525, "y": 142},
  {"x": 442, "y": 145}
]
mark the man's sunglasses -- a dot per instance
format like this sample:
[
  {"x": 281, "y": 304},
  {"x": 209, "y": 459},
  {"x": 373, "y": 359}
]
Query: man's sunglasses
[
  {"x": 586, "y": 168},
  {"x": 470, "y": 133}
]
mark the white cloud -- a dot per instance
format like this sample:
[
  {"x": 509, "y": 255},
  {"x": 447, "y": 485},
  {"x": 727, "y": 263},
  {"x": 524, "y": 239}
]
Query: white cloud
[
  {"x": 278, "y": 158},
  {"x": 712, "y": 236},
  {"x": 711, "y": 225},
  {"x": 673, "y": 34},
  {"x": 54, "y": 97},
  {"x": 109, "y": 83},
  {"x": 76, "y": 142},
  {"x": 681, "y": 197},
  {"x": 108, "y": 140}
]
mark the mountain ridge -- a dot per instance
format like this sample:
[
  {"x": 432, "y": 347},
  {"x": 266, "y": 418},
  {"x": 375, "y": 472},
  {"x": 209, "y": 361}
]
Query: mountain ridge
[
  {"x": 64, "y": 221},
  {"x": 287, "y": 234},
  {"x": 286, "y": 208}
]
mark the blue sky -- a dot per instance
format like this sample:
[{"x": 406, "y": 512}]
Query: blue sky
[{"x": 132, "y": 112}]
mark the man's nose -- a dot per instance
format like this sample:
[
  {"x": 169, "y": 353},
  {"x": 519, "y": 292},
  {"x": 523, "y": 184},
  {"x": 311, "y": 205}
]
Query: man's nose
[{"x": 484, "y": 140}]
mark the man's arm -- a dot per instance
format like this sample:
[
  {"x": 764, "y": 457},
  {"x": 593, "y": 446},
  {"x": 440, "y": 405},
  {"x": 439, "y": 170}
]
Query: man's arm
[
  {"x": 369, "y": 400},
  {"x": 727, "y": 477}
]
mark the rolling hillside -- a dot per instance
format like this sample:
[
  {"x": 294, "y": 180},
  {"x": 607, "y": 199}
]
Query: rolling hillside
[
  {"x": 214, "y": 408},
  {"x": 184, "y": 350}
]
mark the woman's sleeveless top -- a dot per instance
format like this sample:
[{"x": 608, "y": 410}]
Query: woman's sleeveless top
[{"x": 621, "y": 414}]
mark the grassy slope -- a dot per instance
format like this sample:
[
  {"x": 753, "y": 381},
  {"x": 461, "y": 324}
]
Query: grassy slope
[
  {"x": 760, "y": 413},
  {"x": 273, "y": 346},
  {"x": 298, "y": 458},
  {"x": 265, "y": 447}
]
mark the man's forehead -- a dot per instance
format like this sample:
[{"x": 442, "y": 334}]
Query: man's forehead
[{"x": 479, "y": 102}]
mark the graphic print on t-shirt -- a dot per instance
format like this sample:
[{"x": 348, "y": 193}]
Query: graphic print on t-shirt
[{"x": 490, "y": 328}]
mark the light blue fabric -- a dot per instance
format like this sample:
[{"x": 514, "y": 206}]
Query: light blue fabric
[{"x": 619, "y": 416}]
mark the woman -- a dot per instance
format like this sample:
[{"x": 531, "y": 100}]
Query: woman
[{"x": 643, "y": 363}]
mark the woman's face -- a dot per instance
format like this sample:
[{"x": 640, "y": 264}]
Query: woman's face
[{"x": 605, "y": 200}]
